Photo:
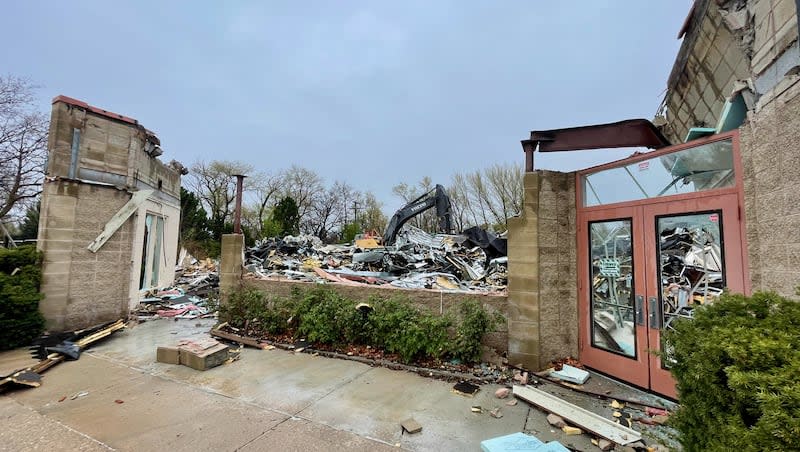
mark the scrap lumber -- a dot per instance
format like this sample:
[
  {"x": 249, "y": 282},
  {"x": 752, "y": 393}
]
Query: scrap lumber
[
  {"x": 580, "y": 388},
  {"x": 240, "y": 339},
  {"x": 28, "y": 376},
  {"x": 576, "y": 415}
]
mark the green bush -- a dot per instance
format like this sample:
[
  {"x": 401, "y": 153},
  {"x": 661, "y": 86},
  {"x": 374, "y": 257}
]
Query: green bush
[
  {"x": 327, "y": 318},
  {"x": 20, "y": 319},
  {"x": 322, "y": 315},
  {"x": 474, "y": 323},
  {"x": 737, "y": 367},
  {"x": 401, "y": 328}
]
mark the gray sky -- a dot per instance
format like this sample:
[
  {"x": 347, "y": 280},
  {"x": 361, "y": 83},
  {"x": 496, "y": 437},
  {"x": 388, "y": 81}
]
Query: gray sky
[{"x": 374, "y": 93}]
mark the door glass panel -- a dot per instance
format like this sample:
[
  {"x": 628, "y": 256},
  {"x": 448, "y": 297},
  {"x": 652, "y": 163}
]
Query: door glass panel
[
  {"x": 705, "y": 167},
  {"x": 612, "y": 299},
  {"x": 691, "y": 260}
]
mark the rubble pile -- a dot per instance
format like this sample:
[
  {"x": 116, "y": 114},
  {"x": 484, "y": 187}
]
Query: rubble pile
[
  {"x": 418, "y": 260},
  {"x": 192, "y": 296}
]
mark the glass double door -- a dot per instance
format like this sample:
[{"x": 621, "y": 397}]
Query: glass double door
[{"x": 645, "y": 266}]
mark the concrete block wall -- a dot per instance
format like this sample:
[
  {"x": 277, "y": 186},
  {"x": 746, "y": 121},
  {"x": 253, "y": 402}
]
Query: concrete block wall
[
  {"x": 109, "y": 151},
  {"x": 82, "y": 288},
  {"x": 231, "y": 263},
  {"x": 431, "y": 300},
  {"x": 542, "y": 289},
  {"x": 775, "y": 24},
  {"x": 708, "y": 64},
  {"x": 771, "y": 161}
]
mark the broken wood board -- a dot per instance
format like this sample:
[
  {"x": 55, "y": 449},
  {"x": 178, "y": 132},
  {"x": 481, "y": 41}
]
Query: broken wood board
[
  {"x": 119, "y": 218},
  {"x": 574, "y": 414},
  {"x": 252, "y": 342}
]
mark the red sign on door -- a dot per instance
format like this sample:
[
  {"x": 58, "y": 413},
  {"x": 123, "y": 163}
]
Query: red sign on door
[{"x": 713, "y": 218}]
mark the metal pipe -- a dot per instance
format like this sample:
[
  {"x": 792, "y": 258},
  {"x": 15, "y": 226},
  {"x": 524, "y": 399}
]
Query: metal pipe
[{"x": 237, "y": 212}]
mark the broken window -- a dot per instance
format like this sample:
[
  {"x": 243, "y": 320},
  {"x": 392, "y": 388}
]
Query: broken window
[
  {"x": 611, "y": 270},
  {"x": 705, "y": 167},
  {"x": 152, "y": 251},
  {"x": 690, "y": 251}
]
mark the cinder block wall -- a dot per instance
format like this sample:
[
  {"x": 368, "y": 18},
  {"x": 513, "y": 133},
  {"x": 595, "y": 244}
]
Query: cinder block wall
[
  {"x": 770, "y": 147},
  {"x": 82, "y": 288},
  {"x": 707, "y": 66},
  {"x": 430, "y": 300},
  {"x": 542, "y": 289}
]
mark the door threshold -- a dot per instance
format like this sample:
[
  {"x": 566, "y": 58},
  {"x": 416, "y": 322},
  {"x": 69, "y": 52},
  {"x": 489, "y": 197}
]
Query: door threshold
[{"x": 605, "y": 382}]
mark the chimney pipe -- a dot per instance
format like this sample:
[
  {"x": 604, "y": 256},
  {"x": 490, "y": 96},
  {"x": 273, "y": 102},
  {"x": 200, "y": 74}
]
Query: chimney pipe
[{"x": 237, "y": 212}]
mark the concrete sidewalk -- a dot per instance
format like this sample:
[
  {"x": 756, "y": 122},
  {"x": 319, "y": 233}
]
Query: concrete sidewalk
[{"x": 268, "y": 400}]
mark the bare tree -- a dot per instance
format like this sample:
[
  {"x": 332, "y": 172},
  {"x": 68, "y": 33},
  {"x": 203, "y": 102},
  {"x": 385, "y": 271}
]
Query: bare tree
[
  {"x": 23, "y": 145},
  {"x": 214, "y": 183},
  {"x": 303, "y": 185},
  {"x": 373, "y": 218},
  {"x": 266, "y": 189},
  {"x": 487, "y": 197}
]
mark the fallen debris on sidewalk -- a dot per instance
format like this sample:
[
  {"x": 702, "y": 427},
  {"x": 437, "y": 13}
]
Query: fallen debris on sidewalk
[
  {"x": 53, "y": 349},
  {"x": 466, "y": 388},
  {"x": 519, "y": 442},
  {"x": 239, "y": 339},
  {"x": 201, "y": 354},
  {"x": 570, "y": 374},
  {"x": 584, "y": 419},
  {"x": 410, "y": 425}
]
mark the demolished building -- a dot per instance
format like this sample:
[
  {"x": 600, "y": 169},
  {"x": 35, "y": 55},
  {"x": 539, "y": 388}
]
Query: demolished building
[
  {"x": 604, "y": 259},
  {"x": 109, "y": 217}
]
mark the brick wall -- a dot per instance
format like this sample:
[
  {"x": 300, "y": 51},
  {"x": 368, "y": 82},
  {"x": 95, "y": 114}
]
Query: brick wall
[
  {"x": 82, "y": 288},
  {"x": 771, "y": 161},
  {"x": 542, "y": 290}
]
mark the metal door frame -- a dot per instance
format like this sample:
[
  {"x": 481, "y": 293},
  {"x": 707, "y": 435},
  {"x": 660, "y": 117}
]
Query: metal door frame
[{"x": 641, "y": 209}]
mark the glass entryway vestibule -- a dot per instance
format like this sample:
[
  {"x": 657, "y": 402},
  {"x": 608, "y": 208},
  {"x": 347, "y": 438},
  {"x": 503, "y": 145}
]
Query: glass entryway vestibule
[{"x": 658, "y": 235}]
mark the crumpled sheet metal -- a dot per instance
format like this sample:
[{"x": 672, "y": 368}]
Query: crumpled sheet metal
[{"x": 417, "y": 261}]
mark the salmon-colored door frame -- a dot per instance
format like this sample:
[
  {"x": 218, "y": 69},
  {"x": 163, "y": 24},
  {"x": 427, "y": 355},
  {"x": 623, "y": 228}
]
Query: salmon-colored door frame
[{"x": 645, "y": 369}]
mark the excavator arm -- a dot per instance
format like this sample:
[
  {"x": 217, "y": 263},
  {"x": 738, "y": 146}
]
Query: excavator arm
[{"x": 434, "y": 198}]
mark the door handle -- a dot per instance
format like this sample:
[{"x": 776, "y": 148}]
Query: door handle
[
  {"x": 639, "y": 310},
  {"x": 654, "y": 313}
]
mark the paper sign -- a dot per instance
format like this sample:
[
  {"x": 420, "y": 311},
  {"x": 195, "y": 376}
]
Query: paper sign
[
  {"x": 713, "y": 218},
  {"x": 644, "y": 166}
]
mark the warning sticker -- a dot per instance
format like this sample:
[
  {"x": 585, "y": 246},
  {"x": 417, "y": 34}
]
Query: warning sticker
[{"x": 713, "y": 218}]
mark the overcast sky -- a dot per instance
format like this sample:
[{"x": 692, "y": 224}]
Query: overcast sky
[{"x": 374, "y": 93}]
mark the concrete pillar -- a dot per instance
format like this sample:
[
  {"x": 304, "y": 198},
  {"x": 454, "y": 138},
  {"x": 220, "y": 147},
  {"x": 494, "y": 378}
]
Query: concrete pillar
[
  {"x": 230, "y": 265},
  {"x": 523, "y": 279},
  {"x": 542, "y": 279}
]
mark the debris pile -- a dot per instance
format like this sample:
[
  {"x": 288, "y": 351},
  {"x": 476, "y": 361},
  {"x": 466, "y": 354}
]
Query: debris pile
[
  {"x": 418, "y": 260},
  {"x": 56, "y": 348},
  {"x": 191, "y": 297}
]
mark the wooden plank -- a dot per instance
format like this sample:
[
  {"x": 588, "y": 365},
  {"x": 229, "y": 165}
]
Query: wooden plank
[
  {"x": 240, "y": 339},
  {"x": 583, "y": 418},
  {"x": 119, "y": 219}
]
